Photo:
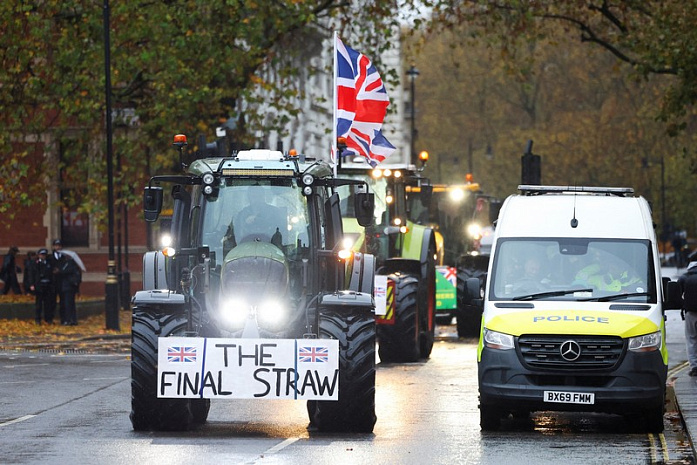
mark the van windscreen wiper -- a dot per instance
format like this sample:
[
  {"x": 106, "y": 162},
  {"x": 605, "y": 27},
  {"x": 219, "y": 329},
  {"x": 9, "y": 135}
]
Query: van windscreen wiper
[
  {"x": 608, "y": 298},
  {"x": 542, "y": 295}
]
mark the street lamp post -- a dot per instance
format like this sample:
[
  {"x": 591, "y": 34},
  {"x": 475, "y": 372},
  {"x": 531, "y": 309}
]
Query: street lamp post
[
  {"x": 413, "y": 73},
  {"x": 112, "y": 284}
]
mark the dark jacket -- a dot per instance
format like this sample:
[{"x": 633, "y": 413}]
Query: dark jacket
[
  {"x": 688, "y": 286},
  {"x": 70, "y": 275},
  {"x": 40, "y": 275}
]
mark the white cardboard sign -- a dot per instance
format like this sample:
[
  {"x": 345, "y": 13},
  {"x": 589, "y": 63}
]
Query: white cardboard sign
[{"x": 303, "y": 369}]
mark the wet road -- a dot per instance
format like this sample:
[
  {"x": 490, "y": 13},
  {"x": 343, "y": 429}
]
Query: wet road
[{"x": 73, "y": 408}]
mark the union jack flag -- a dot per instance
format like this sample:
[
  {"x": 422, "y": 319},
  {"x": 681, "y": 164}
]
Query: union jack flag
[
  {"x": 313, "y": 354},
  {"x": 362, "y": 103},
  {"x": 181, "y": 354},
  {"x": 449, "y": 273}
]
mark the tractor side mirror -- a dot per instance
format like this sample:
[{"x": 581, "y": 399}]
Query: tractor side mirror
[
  {"x": 364, "y": 206},
  {"x": 426, "y": 195},
  {"x": 152, "y": 203}
]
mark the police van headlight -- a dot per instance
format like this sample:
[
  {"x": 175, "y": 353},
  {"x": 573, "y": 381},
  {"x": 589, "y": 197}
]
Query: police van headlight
[
  {"x": 645, "y": 343},
  {"x": 496, "y": 340}
]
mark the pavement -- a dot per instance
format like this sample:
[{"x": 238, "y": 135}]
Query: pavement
[{"x": 681, "y": 387}]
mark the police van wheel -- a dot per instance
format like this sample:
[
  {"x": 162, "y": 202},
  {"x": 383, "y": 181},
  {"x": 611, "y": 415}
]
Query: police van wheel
[
  {"x": 355, "y": 409},
  {"x": 400, "y": 342},
  {"x": 653, "y": 420},
  {"x": 489, "y": 418},
  {"x": 148, "y": 412}
]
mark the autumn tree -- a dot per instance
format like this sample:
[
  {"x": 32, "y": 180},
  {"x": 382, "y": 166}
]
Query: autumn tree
[
  {"x": 592, "y": 121},
  {"x": 177, "y": 66}
]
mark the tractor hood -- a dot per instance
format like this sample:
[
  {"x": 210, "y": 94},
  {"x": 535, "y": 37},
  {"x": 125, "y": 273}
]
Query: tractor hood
[{"x": 254, "y": 270}]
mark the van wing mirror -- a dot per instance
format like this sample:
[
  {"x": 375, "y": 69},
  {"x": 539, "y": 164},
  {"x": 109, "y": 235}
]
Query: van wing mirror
[
  {"x": 364, "y": 206},
  {"x": 672, "y": 295},
  {"x": 152, "y": 203}
]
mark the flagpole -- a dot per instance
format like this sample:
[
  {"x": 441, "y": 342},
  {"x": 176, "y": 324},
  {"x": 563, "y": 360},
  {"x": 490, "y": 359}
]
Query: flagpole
[{"x": 335, "y": 154}]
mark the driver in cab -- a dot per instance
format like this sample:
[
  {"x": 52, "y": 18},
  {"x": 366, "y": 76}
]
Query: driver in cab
[{"x": 259, "y": 219}]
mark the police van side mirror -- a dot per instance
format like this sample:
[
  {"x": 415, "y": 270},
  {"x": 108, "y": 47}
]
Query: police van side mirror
[
  {"x": 364, "y": 206},
  {"x": 672, "y": 295},
  {"x": 152, "y": 203}
]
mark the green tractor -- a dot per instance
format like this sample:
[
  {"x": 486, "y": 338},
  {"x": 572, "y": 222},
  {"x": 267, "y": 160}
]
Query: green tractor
[
  {"x": 254, "y": 297},
  {"x": 405, "y": 253},
  {"x": 461, "y": 216}
]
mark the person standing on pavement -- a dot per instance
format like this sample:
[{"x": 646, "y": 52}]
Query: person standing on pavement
[
  {"x": 40, "y": 281},
  {"x": 688, "y": 286},
  {"x": 56, "y": 259},
  {"x": 28, "y": 263},
  {"x": 9, "y": 271},
  {"x": 70, "y": 277}
]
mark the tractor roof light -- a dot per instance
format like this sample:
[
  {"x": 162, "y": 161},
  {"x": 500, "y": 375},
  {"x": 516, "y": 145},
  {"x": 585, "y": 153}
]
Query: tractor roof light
[
  {"x": 423, "y": 156},
  {"x": 469, "y": 177},
  {"x": 292, "y": 153},
  {"x": 397, "y": 174},
  {"x": 376, "y": 173},
  {"x": 208, "y": 178},
  {"x": 308, "y": 179},
  {"x": 397, "y": 221},
  {"x": 180, "y": 141},
  {"x": 387, "y": 172}
]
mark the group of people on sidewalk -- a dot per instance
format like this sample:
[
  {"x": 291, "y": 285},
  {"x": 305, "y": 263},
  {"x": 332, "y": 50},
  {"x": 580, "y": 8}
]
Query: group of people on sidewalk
[{"x": 53, "y": 278}]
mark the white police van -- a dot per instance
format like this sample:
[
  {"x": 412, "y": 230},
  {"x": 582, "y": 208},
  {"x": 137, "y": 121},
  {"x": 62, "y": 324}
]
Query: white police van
[{"x": 573, "y": 314}]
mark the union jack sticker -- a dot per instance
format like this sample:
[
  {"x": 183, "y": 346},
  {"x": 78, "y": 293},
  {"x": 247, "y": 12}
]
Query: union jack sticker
[
  {"x": 181, "y": 354},
  {"x": 313, "y": 354}
]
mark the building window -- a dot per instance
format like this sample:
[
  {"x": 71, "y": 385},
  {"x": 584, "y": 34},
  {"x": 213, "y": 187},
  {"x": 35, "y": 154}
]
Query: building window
[{"x": 75, "y": 225}]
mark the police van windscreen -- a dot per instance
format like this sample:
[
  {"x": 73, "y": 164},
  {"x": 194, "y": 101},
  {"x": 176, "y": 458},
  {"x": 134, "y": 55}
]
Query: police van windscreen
[{"x": 573, "y": 269}]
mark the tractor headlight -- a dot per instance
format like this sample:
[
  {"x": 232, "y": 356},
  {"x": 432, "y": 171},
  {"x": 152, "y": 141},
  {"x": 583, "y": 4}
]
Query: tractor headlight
[
  {"x": 271, "y": 314},
  {"x": 165, "y": 240},
  {"x": 234, "y": 311},
  {"x": 645, "y": 343},
  {"x": 496, "y": 340}
]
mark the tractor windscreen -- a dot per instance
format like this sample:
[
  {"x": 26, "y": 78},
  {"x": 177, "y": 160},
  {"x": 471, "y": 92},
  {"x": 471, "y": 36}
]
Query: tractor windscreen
[{"x": 271, "y": 211}]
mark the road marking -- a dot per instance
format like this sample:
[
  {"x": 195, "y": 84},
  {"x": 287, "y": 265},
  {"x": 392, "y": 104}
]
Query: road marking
[
  {"x": 17, "y": 420},
  {"x": 16, "y": 382},
  {"x": 28, "y": 365},
  {"x": 654, "y": 450},
  {"x": 279, "y": 447},
  {"x": 674, "y": 371},
  {"x": 102, "y": 379}
]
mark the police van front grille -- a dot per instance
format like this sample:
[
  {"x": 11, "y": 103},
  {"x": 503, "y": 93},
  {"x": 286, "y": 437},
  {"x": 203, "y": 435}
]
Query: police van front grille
[{"x": 593, "y": 352}]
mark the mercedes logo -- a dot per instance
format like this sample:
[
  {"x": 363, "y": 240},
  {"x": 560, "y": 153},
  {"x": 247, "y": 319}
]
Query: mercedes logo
[{"x": 570, "y": 350}]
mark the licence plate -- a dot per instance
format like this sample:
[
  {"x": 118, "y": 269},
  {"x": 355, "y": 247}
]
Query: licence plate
[{"x": 564, "y": 397}]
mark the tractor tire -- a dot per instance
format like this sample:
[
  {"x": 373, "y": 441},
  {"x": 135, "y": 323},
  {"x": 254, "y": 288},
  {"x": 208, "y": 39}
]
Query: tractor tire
[
  {"x": 148, "y": 412},
  {"x": 427, "y": 305},
  {"x": 355, "y": 410},
  {"x": 200, "y": 409},
  {"x": 469, "y": 317},
  {"x": 401, "y": 342}
]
